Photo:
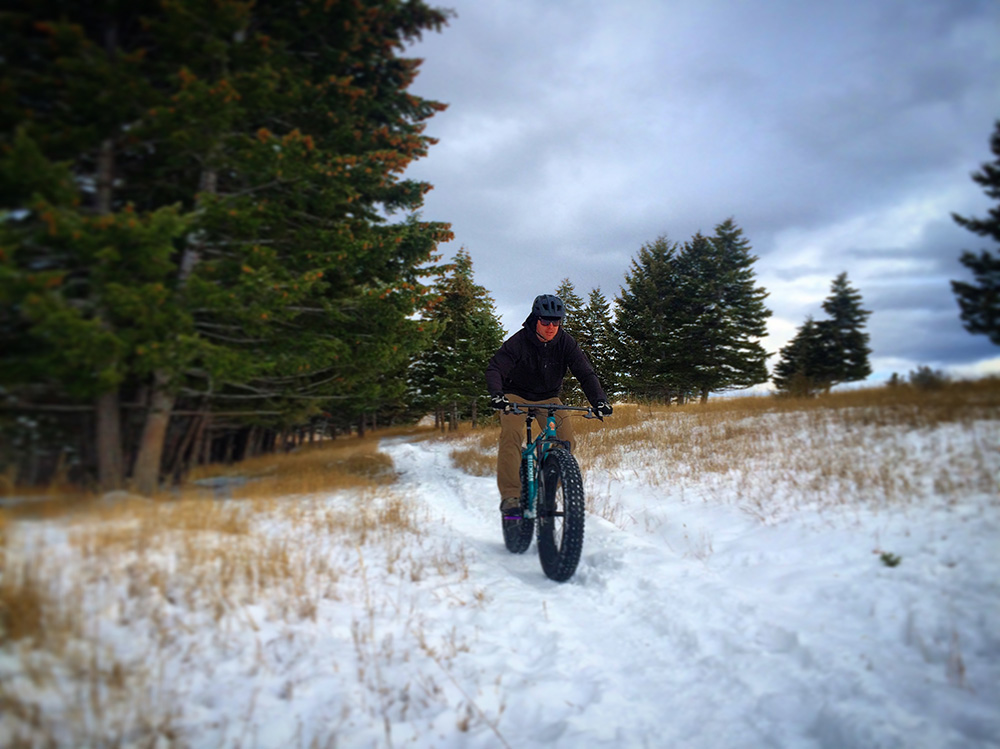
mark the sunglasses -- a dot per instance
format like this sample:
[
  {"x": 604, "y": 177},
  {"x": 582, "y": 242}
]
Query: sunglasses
[{"x": 549, "y": 321}]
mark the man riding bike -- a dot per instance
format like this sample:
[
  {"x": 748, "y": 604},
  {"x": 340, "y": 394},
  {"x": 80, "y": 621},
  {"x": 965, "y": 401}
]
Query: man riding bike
[{"x": 529, "y": 369}]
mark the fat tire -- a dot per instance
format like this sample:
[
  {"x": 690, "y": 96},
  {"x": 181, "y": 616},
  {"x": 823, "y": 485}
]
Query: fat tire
[
  {"x": 517, "y": 536},
  {"x": 561, "y": 492}
]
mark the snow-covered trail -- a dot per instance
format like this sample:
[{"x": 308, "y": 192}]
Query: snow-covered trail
[{"x": 698, "y": 625}]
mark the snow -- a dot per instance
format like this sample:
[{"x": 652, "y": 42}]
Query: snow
[{"x": 715, "y": 611}]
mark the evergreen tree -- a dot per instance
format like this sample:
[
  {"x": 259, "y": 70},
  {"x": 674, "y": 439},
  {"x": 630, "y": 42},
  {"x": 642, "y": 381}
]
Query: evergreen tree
[
  {"x": 572, "y": 323},
  {"x": 735, "y": 357},
  {"x": 827, "y": 352},
  {"x": 72, "y": 94},
  {"x": 800, "y": 361},
  {"x": 597, "y": 340},
  {"x": 979, "y": 301},
  {"x": 573, "y": 305},
  {"x": 691, "y": 318},
  {"x": 844, "y": 340},
  {"x": 255, "y": 151},
  {"x": 648, "y": 311},
  {"x": 447, "y": 376}
]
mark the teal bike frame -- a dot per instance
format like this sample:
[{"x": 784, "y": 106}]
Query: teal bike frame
[{"x": 535, "y": 451}]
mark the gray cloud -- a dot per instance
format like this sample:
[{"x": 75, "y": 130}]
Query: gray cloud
[{"x": 840, "y": 136}]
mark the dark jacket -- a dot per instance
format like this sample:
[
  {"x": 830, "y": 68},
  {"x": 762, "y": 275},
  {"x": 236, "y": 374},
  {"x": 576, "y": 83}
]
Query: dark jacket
[{"x": 534, "y": 369}]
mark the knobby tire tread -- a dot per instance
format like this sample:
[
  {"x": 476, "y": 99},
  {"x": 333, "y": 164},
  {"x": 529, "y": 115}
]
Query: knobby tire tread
[{"x": 561, "y": 476}]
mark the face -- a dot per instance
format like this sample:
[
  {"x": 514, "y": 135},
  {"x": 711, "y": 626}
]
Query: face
[{"x": 546, "y": 332}]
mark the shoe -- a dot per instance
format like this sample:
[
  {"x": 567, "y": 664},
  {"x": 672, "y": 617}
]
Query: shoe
[{"x": 510, "y": 511}]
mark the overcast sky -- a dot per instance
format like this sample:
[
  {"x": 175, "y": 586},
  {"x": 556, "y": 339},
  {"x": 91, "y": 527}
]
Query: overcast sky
[{"x": 840, "y": 136}]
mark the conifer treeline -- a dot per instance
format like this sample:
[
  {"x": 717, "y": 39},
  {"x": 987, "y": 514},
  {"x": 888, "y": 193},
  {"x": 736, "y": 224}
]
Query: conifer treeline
[
  {"x": 208, "y": 249},
  {"x": 689, "y": 322},
  {"x": 195, "y": 254}
]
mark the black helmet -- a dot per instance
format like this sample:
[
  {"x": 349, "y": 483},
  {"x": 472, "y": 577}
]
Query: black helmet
[{"x": 548, "y": 305}]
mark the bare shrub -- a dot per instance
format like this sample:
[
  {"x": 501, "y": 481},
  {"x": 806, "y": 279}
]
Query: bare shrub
[{"x": 925, "y": 378}]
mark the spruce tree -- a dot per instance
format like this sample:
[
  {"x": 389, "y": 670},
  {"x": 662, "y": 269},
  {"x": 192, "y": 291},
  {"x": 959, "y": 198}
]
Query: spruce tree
[
  {"x": 844, "y": 340},
  {"x": 447, "y": 376},
  {"x": 830, "y": 351},
  {"x": 74, "y": 88},
  {"x": 265, "y": 145},
  {"x": 573, "y": 306},
  {"x": 649, "y": 307},
  {"x": 691, "y": 318},
  {"x": 572, "y": 324},
  {"x": 597, "y": 340},
  {"x": 800, "y": 362},
  {"x": 738, "y": 358},
  {"x": 979, "y": 301}
]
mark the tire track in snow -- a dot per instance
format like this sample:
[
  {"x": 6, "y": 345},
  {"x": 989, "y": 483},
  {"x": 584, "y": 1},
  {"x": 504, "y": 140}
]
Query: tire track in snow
[{"x": 640, "y": 643}]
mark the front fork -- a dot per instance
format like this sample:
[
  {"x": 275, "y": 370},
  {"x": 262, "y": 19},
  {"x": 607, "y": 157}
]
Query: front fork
[
  {"x": 530, "y": 457},
  {"x": 531, "y": 486}
]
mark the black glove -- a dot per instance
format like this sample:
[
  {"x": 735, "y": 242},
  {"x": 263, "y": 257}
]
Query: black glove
[
  {"x": 603, "y": 408},
  {"x": 500, "y": 403}
]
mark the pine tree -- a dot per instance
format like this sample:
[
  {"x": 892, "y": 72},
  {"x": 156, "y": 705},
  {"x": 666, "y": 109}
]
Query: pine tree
[
  {"x": 979, "y": 302},
  {"x": 844, "y": 339},
  {"x": 738, "y": 360},
  {"x": 827, "y": 352},
  {"x": 572, "y": 324},
  {"x": 573, "y": 305},
  {"x": 692, "y": 317},
  {"x": 596, "y": 338},
  {"x": 276, "y": 133},
  {"x": 447, "y": 376},
  {"x": 799, "y": 362},
  {"x": 649, "y": 307},
  {"x": 71, "y": 90}
]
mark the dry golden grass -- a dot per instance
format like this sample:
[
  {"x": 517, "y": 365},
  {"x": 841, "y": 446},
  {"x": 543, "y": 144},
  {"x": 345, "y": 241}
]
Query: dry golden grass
[
  {"x": 137, "y": 563},
  {"x": 346, "y": 463},
  {"x": 823, "y": 450},
  {"x": 22, "y": 603},
  {"x": 278, "y": 549},
  {"x": 214, "y": 540},
  {"x": 474, "y": 461}
]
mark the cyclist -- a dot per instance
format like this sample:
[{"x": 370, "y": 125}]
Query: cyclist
[{"x": 529, "y": 368}]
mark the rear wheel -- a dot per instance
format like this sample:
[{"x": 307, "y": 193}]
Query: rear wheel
[
  {"x": 517, "y": 533},
  {"x": 560, "y": 515}
]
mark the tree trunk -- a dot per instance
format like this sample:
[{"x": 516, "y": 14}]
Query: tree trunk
[
  {"x": 200, "y": 456},
  {"x": 704, "y": 395},
  {"x": 107, "y": 417},
  {"x": 227, "y": 450},
  {"x": 110, "y": 463},
  {"x": 189, "y": 444},
  {"x": 146, "y": 476},
  {"x": 253, "y": 442},
  {"x": 474, "y": 407},
  {"x": 205, "y": 452},
  {"x": 453, "y": 424}
]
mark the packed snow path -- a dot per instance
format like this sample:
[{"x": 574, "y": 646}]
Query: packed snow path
[{"x": 692, "y": 623}]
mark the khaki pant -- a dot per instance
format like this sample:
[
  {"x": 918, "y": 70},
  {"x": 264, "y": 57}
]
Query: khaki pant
[{"x": 512, "y": 442}]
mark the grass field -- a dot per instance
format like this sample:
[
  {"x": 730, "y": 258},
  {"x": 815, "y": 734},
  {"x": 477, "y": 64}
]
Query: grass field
[{"x": 251, "y": 543}]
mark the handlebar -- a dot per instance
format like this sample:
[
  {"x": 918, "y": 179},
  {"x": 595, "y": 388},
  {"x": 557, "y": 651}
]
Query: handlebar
[{"x": 551, "y": 407}]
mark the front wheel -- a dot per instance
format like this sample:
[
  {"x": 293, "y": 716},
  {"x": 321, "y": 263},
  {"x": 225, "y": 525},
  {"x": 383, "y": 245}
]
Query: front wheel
[{"x": 560, "y": 515}]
